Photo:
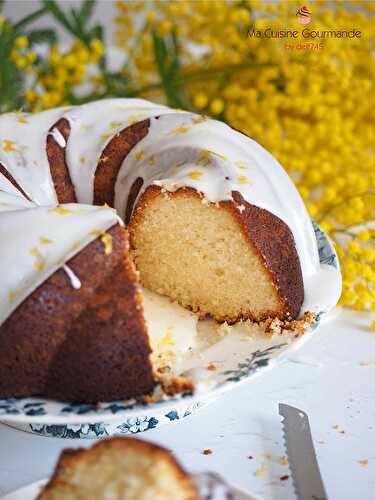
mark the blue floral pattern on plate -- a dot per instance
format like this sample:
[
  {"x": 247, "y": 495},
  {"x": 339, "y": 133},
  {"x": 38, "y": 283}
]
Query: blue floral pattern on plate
[{"x": 76, "y": 421}]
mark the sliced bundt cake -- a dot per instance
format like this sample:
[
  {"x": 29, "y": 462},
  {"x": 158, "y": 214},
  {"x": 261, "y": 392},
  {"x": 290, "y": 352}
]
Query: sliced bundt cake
[{"x": 215, "y": 224}]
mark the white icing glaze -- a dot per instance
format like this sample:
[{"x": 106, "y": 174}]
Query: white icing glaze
[
  {"x": 13, "y": 201},
  {"x": 183, "y": 149},
  {"x": 59, "y": 138},
  {"x": 92, "y": 126},
  {"x": 23, "y": 152},
  {"x": 34, "y": 244},
  {"x": 7, "y": 186},
  {"x": 74, "y": 280}
]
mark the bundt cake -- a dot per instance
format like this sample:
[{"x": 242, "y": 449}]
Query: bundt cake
[
  {"x": 119, "y": 469},
  {"x": 212, "y": 221}
]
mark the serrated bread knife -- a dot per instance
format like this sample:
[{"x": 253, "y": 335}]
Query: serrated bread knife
[{"x": 304, "y": 467}]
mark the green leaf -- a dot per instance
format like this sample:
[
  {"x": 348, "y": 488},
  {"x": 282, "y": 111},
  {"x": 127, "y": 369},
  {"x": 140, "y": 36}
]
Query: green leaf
[
  {"x": 11, "y": 79},
  {"x": 76, "y": 20},
  {"x": 58, "y": 14},
  {"x": 97, "y": 32},
  {"x": 29, "y": 19},
  {"x": 42, "y": 36},
  {"x": 160, "y": 52},
  {"x": 86, "y": 11},
  {"x": 175, "y": 64},
  {"x": 168, "y": 63},
  {"x": 9, "y": 76}
]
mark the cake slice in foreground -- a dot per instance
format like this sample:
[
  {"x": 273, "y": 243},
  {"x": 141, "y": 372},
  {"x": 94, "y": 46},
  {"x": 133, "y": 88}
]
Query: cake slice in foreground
[{"x": 119, "y": 469}]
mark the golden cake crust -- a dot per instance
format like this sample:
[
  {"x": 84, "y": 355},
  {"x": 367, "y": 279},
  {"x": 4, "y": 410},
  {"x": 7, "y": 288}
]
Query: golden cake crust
[
  {"x": 108, "y": 166},
  {"x": 86, "y": 345},
  {"x": 274, "y": 242},
  {"x": 59, "y": 170},
  {"x": 111, "y": 160}
]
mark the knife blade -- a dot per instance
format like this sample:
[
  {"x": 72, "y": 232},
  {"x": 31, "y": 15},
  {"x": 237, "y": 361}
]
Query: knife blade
[{"x": 304, "y": 466}]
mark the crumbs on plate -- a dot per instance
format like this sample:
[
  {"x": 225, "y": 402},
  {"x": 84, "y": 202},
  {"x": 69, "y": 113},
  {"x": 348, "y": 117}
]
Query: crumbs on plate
[
  {"x": 283, "y": 460},
  {"x": 261, "y": 471},
  {"x": 338, "y": 429}
]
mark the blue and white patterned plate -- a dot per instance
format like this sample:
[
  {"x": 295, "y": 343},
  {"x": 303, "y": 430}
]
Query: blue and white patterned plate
[{"x": 235, "y": 358}]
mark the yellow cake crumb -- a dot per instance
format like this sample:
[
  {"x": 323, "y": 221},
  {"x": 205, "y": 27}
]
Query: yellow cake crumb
[
  {"x": 96, "y": 232},
  {"x": 138, "y": 154},
  {"x": 199, "y": 119},
  {"x": 261, "y": 471},
  {"x": 39, "y": 266},
  {"x": 151, "y": 160},
  {"x": 240, "y": 164},
  {"x": 242, "y": 179},
  {"x": 12, "y": 296},
  {"x": 284, "y": 460},
  {"x": 21, "y": 118},
  {"x": 195, "y": 175},
  {"x": 182, "y": 129},
  {"x": 60, "y": 211},
  {"x": 115, "y": 124},
  {"x": 133, "y": 119},
  {"x": 35, "y": 252},
  {"x": 219, "y": 155},
  {"x": 9, "y": 146},
  {"x": 107, "y": 241},
  {"x": 45, "y": 241},
  {"x": 167, "y": 339},
  {"x": 204, "y": 158}
]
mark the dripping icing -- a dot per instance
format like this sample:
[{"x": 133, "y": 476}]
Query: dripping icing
[
  {"x": 59, "y": 138},
  {"x": 74, "y": 280}
]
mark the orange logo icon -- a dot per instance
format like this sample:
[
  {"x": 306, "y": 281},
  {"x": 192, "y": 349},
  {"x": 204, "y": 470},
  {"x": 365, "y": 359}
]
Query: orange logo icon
[{"x": 303, "y": 15}]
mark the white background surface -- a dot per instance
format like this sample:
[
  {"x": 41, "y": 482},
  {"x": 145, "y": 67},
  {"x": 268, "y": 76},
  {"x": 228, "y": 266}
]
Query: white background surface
[{"x": 332, "y": 378}]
